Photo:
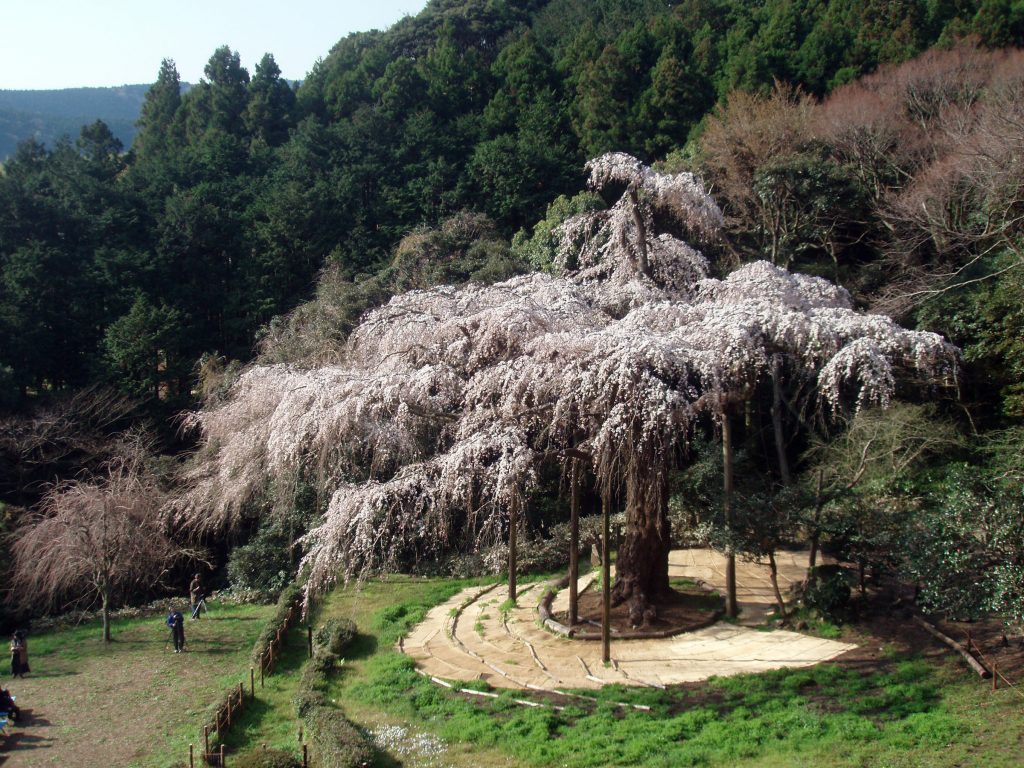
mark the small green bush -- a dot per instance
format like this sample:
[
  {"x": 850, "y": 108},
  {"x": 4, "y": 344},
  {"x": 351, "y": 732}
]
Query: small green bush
[
  {"x": 335, "y": 636},
  {"x": 829, "y": 593},
  {"x": 335, "y": 741},
  {"x": 263, "y": 562},
  {"x": 266, "y": 758}
]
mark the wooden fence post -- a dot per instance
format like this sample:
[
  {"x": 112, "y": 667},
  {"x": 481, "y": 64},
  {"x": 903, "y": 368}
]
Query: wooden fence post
[
  {"x": 221, "y": 756},
  {"x": 261, "y": 672},
  {"x": 191, "y": 758},
  {"x": 305, "y": 756},
  {"x": 995, "y": 676},
  {"x": 252, "y": 682},
  {"x": 206, "y": 742}
]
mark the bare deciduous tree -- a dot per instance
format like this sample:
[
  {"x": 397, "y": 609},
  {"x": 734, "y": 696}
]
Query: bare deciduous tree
[{"x": 94, "y": 539}]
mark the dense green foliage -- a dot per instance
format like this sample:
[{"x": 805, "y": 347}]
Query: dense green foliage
[
  {"x": 48, "y": 115},
  {"x": 254, "y": 215},
  {"x": 238, "y": 192}
]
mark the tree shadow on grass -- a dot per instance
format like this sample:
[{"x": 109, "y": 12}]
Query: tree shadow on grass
[{"x": 363, "y": 646}]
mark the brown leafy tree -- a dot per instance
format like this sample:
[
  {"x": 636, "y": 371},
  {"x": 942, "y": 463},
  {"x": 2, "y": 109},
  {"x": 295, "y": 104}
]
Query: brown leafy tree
[{"x": 94, "y": 539}]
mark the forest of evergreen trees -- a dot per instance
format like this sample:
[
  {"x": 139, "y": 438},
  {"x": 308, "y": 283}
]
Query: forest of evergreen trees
[{"x": 875, "y": 143}]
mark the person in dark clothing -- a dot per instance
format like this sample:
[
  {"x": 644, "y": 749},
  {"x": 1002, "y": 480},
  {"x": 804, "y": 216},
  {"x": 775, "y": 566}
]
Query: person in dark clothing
[
  {"x": 197, "y": 595},
  {"x": 7, "y": 705},
  {"x": 19, "y": 654},
  {"x": 177, "y": 624}
]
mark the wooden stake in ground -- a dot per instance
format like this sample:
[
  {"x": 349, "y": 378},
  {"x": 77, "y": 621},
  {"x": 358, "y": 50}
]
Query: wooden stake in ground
[
  {"x": 513, "y": 524},
  {"x": 606, "y": 587},
  {"x": 574, "y": 544},
  {"x": 731, "y": 608}
]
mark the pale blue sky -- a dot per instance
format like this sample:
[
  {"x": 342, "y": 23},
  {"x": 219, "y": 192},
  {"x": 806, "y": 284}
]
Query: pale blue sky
[{"x": 72, "y": 43}]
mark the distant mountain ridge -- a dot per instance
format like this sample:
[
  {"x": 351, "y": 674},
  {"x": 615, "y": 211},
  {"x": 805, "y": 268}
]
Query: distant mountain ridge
[{"x": 47, "y": 115}]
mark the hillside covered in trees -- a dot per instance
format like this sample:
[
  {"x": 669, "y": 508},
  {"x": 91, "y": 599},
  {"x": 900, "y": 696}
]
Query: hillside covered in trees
[
  {"x": 47, "y": 116},
  {"x": 877, "y": 145}
]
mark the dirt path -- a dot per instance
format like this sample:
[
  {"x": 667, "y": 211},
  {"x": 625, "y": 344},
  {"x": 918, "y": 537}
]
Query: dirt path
[
  {"x": 88, "y": 706},
  {"x": 470, "y": 638}
]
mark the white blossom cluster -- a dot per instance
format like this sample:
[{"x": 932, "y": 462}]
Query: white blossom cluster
[
  {"x": 450, "y": 400},
  {"x": 629, "y": 253}
]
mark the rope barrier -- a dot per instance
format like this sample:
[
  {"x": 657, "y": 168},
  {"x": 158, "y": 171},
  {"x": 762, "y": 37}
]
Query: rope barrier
[{"x": 996, "y": 674}]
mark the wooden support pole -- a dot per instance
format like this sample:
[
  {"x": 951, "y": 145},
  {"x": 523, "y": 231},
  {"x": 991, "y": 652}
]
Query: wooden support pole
[
  {"x": 206, "y": 741},
  {"x": 252, "y": 682},
  {"x": 229, "y": 711},
  {"x": 309, "y": 639},
  {"x": 513, "y": 531},
  {"x": 305, "y": 756},
  {"x": 261, "y": 672},
  {"x": 191, "y": 757},
  {"x": 222, "y": 756},
  {"x": 574, "y": 544},
  {"x": 606, "y": 581},
  {"x": 731, "y": 608},
  {"x": 995, "y": 677}
]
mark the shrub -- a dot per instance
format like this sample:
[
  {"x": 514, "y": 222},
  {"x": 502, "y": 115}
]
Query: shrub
[
  {"x": 264, "y": 562},
  {"x": 335, "y": 635},
  {"x": 265, "y": 758},
  {"x": 829, "y": 593},
  {"x": 288, "y": 599},
  {"x": 335, "y": 741}
]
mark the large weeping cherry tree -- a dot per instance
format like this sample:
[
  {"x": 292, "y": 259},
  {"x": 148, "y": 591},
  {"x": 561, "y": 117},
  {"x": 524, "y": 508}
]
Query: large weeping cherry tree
[{"x": 433, "y": 429}]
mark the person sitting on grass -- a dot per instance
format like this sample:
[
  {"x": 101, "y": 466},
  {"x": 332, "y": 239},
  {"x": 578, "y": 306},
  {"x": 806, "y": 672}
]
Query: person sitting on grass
[{"x": 7, "y": 705}]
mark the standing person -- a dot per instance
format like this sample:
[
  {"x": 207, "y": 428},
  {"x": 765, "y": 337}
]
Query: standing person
[
  {"x": 15, "y": 656},
  {"x": 196, "y": 594},
  {"x": 22, "y": 636},
  {"x": 19, "y": 654},
  {"x": 177, "y": 624}
]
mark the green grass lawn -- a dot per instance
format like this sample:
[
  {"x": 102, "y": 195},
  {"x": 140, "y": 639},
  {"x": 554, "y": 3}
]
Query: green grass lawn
[
  {"x": 905, "y": 712},
  {"x": 910, "y": 712},
  {"x": 132, "y": 702}
]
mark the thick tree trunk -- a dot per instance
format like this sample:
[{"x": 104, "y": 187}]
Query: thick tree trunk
[
  {"x": 773, "y": 576},
  {"x": 731, "y": 608},
  {"x": 780, "y": 441},
  {"x": 819, "y": 502},
  {"x": 641, "y": 569}
]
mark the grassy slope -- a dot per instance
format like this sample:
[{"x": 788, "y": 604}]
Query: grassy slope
[{"x": 913, "y": 713}]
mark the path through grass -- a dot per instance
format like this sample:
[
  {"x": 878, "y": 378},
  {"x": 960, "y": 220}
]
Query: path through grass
[{"x": 130, "y": 703}]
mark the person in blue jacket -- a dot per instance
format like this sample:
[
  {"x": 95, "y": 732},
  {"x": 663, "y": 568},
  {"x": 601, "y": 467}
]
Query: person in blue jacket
[{"x": 177, "y": 624}]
